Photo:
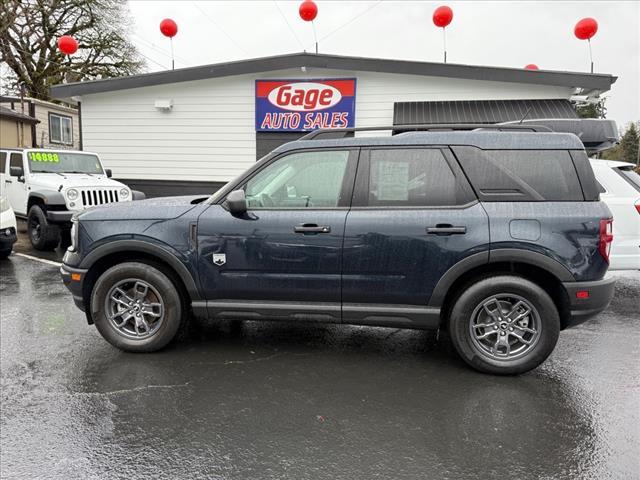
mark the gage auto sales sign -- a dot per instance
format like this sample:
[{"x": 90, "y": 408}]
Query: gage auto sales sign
[{"x": 299, "y": 105}]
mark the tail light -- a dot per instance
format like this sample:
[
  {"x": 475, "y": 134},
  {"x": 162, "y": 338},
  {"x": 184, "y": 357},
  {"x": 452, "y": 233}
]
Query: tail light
[
  {"x": 606, "y": 237},
  {"x": 637, "y": 205}
]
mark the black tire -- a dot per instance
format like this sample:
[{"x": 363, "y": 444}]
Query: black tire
[
  {"x": 4, "y": 254},
  {"x": 500, "y": 293},
  {"x": 173, "y": 309},
  {"x": 42, "y": 234}
]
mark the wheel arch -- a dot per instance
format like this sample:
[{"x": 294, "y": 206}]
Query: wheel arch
[
  {"x": 45, "y": 198},
  {"x": 102, "y": 258},
  {"x": 540, "y": 269}
]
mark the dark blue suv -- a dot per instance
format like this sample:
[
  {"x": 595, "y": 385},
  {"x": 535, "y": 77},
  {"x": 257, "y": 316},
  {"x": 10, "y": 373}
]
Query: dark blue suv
[{"x": 497, "y": 236}]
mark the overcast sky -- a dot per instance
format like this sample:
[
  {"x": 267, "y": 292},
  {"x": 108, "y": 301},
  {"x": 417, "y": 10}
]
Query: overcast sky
[{"x": 500, "y": 33}]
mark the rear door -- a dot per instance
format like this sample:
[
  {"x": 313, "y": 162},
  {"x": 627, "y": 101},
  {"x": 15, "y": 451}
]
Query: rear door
[{"x": 413, "y": 217}]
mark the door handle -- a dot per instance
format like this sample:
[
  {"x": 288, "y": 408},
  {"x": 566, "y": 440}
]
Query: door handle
[
  {"x": 311, "y": 228},
  {"x": 446, "y": 229},
  {"x": 8, "y": 181}
]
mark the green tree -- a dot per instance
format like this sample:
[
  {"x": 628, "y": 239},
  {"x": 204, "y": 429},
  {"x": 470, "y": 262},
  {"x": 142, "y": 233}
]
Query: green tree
[
  {"x": 29, "y": 30},
  {"x": 627, "y": 149},
  {"x": 592, "y": 110}
]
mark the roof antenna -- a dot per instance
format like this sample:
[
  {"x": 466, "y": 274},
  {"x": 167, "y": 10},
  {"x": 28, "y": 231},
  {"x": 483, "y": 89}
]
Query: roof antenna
[{"x": 525, "y": 115}]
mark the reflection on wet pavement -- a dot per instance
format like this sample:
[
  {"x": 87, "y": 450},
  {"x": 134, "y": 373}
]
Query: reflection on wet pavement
[{"x": 276, "y": 400}]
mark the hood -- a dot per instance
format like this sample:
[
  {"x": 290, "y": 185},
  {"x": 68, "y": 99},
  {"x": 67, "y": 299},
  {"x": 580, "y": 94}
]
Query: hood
[
  {"x": 163, "y": 208},
  {"x": 53, "y": 181}
]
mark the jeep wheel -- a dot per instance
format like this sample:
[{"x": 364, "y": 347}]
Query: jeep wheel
[
  {"x": 504, "y": 325},
  {"x": 42, "y": 234},
  {"x": 136, "y": 307}
]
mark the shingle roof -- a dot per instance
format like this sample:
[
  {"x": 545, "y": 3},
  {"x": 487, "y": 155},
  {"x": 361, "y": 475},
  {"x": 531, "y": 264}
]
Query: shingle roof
[
  {"x": 601, "y": 82},
  {"x": 8, "y": 113}
]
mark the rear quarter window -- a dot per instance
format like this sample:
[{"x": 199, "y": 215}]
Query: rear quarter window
[{"x": 521, "y": 175}]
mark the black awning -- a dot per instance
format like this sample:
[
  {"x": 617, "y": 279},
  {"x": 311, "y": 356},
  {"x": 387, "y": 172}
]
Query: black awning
[{"x": 479, "y": 111}]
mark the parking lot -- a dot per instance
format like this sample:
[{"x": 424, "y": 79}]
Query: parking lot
[{"x": 280, "y": 400}]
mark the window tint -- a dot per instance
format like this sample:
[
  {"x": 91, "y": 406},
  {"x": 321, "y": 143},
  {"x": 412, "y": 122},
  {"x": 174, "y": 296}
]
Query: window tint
[
  {"x": 299, "y": 180},
  {"x": 3, "y": 161},
  {"x": 15, "y": 160},
  {"x": 521, "y": 175},
  {"x": 412, "y": 177}
]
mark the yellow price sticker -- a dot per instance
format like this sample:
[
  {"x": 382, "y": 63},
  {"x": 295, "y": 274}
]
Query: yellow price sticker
[{"x": 44, "y": 157}]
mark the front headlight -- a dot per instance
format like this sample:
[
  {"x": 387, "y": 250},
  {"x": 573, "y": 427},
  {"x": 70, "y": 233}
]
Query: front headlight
[
  {"x": 74, "y": 235},
  {"x": 124, "y": 193},
  {"x": 4, "y": 204},
  {"x": 72, "y": 194}
]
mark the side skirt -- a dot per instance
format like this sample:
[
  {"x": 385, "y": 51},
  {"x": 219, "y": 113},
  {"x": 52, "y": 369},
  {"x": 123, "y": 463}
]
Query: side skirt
[{"x": 378, "y": 315}]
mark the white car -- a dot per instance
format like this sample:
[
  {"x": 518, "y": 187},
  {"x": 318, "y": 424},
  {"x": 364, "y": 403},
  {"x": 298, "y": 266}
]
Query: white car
[
  {"x": 7, "y": 228},
  {"x": 46, "y": 187},
  {"x": 620, "y": 190}
]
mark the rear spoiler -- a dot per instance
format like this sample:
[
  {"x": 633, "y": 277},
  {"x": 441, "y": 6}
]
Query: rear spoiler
[{"x": 595, "y": 134}]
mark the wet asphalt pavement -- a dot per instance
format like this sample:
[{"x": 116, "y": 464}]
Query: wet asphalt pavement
[{"x": 248, "y": 400}]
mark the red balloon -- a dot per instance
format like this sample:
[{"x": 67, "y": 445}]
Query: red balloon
[
  {"x": 442, "y": 16},
  {"x": 586, "y": 28},
  {"x": 308, "y": 10},
  {"x": 531, "y": 66},
  {"x": 67, "y": 45},
  {"x": 168, "y": 28}
]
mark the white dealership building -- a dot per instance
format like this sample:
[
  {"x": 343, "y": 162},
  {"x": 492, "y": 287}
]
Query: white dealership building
[{"x": 191, "y": 130}]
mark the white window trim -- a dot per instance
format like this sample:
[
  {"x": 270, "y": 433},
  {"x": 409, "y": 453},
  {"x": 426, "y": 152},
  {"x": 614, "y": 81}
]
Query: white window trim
[{"x": 62, "y": 118}]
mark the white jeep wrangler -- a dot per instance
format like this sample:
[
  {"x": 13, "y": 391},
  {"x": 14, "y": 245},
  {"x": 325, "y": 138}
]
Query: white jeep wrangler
[{"x": 46, "y": 187}]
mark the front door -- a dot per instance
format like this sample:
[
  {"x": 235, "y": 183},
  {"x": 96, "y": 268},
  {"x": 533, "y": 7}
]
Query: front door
[
  {"x": 16, "y": 190},
  {"x": 283, "y": 257},
  {"x": 413, "y": 217}
]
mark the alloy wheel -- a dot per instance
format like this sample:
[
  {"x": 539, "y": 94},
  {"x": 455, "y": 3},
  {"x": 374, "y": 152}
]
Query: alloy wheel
[
  {"x": 505, "y": 326},
  {"x": 134, "y": 308}
]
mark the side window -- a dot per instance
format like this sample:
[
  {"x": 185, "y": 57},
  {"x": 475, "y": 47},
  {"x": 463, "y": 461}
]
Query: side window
[
  {"x": 601, "y": 189},
  {"x": 412, "y": 177},
  {"x": 3, "y": 161},
  {"x": 521, "y": 175},
  {"x": 15, "y": 160},
  {"x": 60, "y": 129},
  {"x": 299, "y": 180}
]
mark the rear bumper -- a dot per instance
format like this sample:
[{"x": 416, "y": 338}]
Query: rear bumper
[
  {"x": 73, "y": 279},
  {"x": 600, "y": 293}
]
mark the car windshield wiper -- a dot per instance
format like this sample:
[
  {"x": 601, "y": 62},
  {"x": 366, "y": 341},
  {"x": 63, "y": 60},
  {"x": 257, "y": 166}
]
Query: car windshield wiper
[
  {"x": 47, "y": 171},
  {"x": 78, "y": 171}
]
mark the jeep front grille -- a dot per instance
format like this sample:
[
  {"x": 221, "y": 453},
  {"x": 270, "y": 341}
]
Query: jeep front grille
[{"x": 92, "y": 197}]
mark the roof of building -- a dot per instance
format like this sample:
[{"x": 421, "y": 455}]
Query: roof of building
[
  {"x": 588, "y": 81},
  {"x": 8, "y": 113},
  {"x": 486, "y": 140}
]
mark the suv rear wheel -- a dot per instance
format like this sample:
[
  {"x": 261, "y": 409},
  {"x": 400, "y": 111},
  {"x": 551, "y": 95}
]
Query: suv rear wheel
[
  {"x": 136, "y": 307},
  {"x": 504, "y": 325},
  {"x": 42, "y": 234}
]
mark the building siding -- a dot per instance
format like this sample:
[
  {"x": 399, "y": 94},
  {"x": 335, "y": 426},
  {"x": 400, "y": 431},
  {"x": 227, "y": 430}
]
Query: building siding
[
  {"x": 42, "y": 111},
  {"x": 209, "y": 133}
]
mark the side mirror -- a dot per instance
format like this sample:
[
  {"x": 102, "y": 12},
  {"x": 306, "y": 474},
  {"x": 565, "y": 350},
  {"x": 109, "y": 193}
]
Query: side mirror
[
  {"x": 236, "y": 202},
  {"x": 16, "y": 172},
  {"x": 108, "y": 172}
]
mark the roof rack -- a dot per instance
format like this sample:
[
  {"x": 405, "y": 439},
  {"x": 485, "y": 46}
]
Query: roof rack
[{"x": 426, "y": 127}]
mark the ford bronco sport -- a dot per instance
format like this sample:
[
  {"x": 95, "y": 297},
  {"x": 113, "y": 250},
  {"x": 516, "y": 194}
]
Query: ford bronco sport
[
  {"x": 496, "y": 234},
  {"x": 45, "y": 187}
]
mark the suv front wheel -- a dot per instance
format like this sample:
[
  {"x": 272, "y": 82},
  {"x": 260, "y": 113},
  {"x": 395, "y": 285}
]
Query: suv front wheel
[
  {"x": 42, "y": 234},
  {"x": 504, "y": 325},
  {"x": 136, "y": 307}
]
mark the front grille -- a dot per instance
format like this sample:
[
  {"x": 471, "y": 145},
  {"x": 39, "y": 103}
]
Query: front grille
[{"x": 91, "y": 198}]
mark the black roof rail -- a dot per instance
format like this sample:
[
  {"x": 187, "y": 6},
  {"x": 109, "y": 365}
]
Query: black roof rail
[{"x": 396, "y": 129}]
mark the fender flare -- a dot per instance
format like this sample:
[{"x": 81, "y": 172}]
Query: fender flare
[
  {"x": 500, "y": 255},
  {"x": 49, "y": 197},
  {"x": 132, "y": 245}
]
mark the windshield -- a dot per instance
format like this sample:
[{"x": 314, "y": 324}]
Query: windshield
[{"x": 64, "y": 162}]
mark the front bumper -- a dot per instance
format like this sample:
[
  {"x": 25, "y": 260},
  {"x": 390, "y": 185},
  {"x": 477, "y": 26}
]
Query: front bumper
[
  {"x": 73, "y": 279},
  {"x": 583, "y": 305},
  {"x": 63, "y": 216},
  {"x": 8, "y": 237}
]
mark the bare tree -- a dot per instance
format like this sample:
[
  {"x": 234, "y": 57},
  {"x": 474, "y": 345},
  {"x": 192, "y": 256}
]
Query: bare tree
[{"x": 29, "y": 30}]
